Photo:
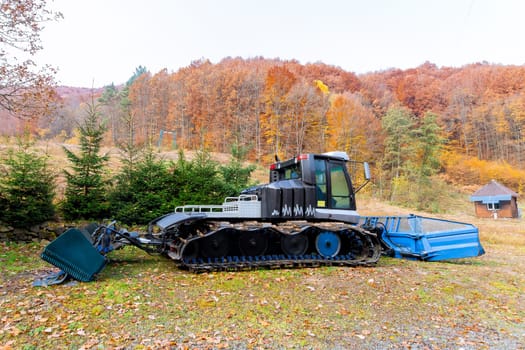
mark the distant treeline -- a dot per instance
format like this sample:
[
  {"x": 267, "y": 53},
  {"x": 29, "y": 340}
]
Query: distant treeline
[{"x": 270, "y": 106}]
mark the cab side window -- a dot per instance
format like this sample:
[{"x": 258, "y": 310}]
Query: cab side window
[{"x": 339, "y": 186}]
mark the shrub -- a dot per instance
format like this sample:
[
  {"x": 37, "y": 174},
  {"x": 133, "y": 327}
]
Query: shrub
[{"x": 26, "y": 188}]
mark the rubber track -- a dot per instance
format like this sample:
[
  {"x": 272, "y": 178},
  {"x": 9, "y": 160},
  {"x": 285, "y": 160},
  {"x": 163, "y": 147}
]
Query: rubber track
[
  {"x": 272, "y": 261},
  {"x": 238, "y": 263}
]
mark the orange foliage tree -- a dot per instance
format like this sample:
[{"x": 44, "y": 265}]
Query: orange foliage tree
[
  {"x": 275, "y": 121},
  {"x": 282, "y": 107},
  {"x": 352, "y": 127}
]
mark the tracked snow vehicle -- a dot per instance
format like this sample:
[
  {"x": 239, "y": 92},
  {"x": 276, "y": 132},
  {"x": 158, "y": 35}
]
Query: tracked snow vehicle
[{"x": 305, "y": 216}]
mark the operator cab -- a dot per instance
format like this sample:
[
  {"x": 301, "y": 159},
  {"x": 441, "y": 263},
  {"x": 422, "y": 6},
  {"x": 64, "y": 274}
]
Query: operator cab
[{"x": 310, "y": 186}]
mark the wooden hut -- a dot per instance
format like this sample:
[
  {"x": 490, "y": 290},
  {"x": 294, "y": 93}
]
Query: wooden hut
[{"x": 495, "y": 201}]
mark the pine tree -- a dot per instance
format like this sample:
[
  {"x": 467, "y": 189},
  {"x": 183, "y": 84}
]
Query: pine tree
[
  {"x": 27, "y": 189},
  {"x": 198, "y": 180},
  {"x": 235, "y": 175},
  {"x": 205, "y": 181},
  {"x": 110, "y": 104},
  {"x": 428, "y": 144},
  {"x": 397, "y": 124},
  {"x": 142, "y": 192},
  {"x": 85, "y": 191},
  {"x": 130, "y": 150}
]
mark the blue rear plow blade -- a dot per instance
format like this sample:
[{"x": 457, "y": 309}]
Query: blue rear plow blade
[{"x": 422, "y": 238}]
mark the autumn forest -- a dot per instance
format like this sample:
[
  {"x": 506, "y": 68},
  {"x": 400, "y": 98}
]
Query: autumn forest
[{"x": 465, "y": 125}]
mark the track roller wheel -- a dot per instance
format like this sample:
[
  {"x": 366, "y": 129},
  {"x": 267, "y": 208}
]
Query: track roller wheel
[
  {"x": 253, "y": 243},
  {"x": 328, "y": 244},
  {"x": 191, "y": 250},
  {"x": 296, "y": 244},
  {"x": 358, "y": 245},
  {"x": 215, "y": 245}
]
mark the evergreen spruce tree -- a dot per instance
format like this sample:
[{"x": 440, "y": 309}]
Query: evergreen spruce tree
[
  {"x": 85, "y": 190},
  {"x": 110, "y": 108},
  {"x": 204, "y": 181},
  {"x": 151, "y": 187},
  {"x": 26, "y": 188},
  {"x": 235, "y": 175},
  {"x": 397, "y": 125},
  {"x": 411, "y": 157},
  {"x": 428, "y": 144},
  {"x": 198, "y": 181},
  {"x": 142, "y": 190},
  {"x": 131, "y": 151}
]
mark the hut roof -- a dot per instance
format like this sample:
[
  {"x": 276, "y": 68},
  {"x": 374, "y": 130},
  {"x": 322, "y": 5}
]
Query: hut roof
[{"x": 493, "y": 192}]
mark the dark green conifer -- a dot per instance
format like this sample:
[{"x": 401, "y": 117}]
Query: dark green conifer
[
  {"x": 26, "y": 187},
  {"x": 85, "y": 190}
]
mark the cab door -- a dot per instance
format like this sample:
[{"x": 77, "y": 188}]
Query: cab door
[{"x": 333, "y": 185}]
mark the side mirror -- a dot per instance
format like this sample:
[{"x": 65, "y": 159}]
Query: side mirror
[
  {"x": 367, "y": 175},
  {"x": 367, "y": 171}
]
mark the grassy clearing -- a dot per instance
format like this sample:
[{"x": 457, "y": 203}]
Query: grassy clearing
[
  {"x": 145, "y": 302},
  {"x": 141, "y": 301}
]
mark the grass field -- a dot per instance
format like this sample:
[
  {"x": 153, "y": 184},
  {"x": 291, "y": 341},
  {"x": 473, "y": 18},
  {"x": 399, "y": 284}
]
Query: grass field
[{"x": 145, "y": 302}]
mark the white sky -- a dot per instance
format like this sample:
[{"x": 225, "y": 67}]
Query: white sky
[{"x": 102, "y": 41}]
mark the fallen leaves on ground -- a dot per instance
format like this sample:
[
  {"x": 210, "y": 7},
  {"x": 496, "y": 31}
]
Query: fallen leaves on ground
[{"x": 144, "y": 302}]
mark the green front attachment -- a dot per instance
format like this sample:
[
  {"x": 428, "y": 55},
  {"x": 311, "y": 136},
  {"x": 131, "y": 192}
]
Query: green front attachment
[{"x": 73, "y": 253}]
